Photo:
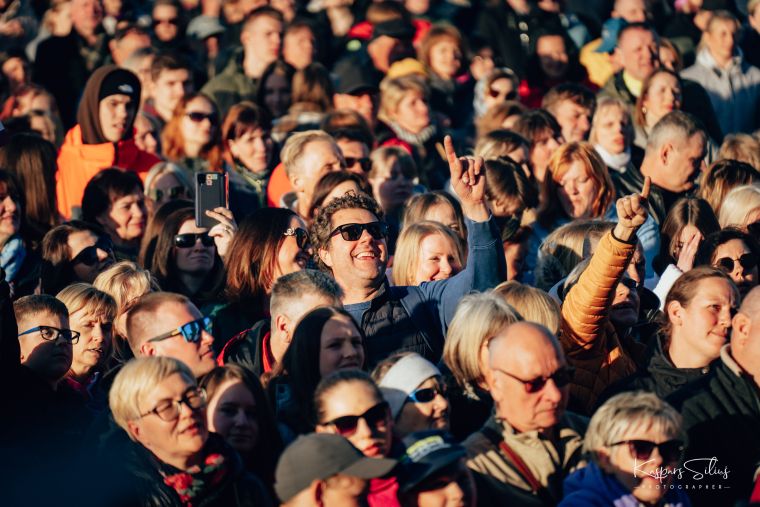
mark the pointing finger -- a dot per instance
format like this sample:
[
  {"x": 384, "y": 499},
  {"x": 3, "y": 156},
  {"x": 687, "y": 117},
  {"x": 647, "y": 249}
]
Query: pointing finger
[{"x": 454, "y": 163}]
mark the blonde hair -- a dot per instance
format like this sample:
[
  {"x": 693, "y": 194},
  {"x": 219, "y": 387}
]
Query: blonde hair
[
  {"x": 136, "y": 380},
  {"x": 597, "y": 170},
  {"x": 738, "y": 205},
  {"x": 532, "y": 304},
  {"x": 723, "y": 176},
  {"x": 295, "y": 148},
  {"x": 84, "y": 297},
  {"x": 602, "y": 106},
  {"x": 500, "y": 143},
  {"x": 478, "y": 318},
  {"x": 741, "y": 147},
  {"x": 384, "y": 157},
  {"x": 125, "y": 281},
  {"x": 393, "y": 90},
  {"x": 407, "y": 257},
  {"x": 626, "y": 413}
]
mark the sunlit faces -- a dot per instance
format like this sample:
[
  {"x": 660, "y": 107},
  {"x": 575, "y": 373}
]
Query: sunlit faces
[
  {"x": 355, "y": 263},
  {"x": 78, "y": 241},
  {"x": 169, "y": 88},
  {"x": 574, "y": 119},
  {"x": 341, "y": 346},
  {"x": 125, "y": 219},
  {"x": 177, "y": 440},
  {"x": 412, "y": 113},
  {"x": 544, "y": 146},
  {"x": 422, "y": 416},
  {"x": 197, "y": 132},
  {"x": 252, "y": 149},
  {"x": 291, "y": 257},
  {"x": 446, "y": 58},
  {"x": 232, "y": 412},
  {"x": 357, "y": 153},
  {"x": 146, "y": 135},
  {"x": 613, "y": 129},
  {"x": 198, "y": 260},
  {"x": 353, "y": 399},
  {"x": 577, "y": 191},
  {"x": 687, "y": 232},
  {"x": 637, "y": 475},
  {"x": 720, "y": 39},
  {"x": 662, "y": 97},
  {"x": 744, "y": 276},
  {"x": 48, "y": 359},
  {"x": 263, "y": 38},
  {"x": 115, "y": 115},
  {"x": 637, "y": 52},
  {"x": 299, "y": 47},
  {"x": 10, "y": 213},
  {"x": 444, "y": 214},
  {"x": 701, "y": 327},
  {"x": 165, "y": 22},
  {"x": 318, "y": 159},
  {"x": 390, "y": 186},
  {"x": 684, "y": 161},
  {"x": 552, "y": 55},
  {"x": 94, "y": 345},
  {"x": 633, "y": 11},
  {"x": 437, "y": 259}
]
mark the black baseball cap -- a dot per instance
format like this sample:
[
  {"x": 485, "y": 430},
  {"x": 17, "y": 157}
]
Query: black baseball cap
[
  {"x": 427, "y": 452},
  {"x": 396, "y": 28},
  {"x": 352, "y": 79},
  {"x": 320, "y": 456}
]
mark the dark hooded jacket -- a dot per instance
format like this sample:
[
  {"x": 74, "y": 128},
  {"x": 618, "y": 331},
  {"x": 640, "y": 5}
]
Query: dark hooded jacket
[{"x": 85, "y": 149}]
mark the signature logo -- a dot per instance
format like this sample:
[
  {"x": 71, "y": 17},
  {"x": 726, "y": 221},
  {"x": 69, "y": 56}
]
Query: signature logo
[{"x": 695, "y": 469}]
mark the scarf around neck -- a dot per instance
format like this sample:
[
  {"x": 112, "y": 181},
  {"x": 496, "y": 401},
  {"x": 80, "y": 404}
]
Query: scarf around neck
[
  {"x": 618, "y": 162},
  {"x": 199, "y": 480}
]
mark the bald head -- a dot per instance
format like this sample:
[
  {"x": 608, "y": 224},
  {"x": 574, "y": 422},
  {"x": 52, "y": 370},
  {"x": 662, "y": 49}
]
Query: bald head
[
  {"x": 745, "y": 334},
  {"x": 751, "y": 304},
  {"x": 525, "y": 360}
]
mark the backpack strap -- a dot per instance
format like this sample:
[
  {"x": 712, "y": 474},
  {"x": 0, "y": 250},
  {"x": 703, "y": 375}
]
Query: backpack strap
[{"x": 515, "y": 460}]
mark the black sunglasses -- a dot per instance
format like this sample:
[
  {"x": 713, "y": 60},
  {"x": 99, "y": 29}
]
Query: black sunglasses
[
  {"x": 364, "y": 162},
  {"x": 302, "y": 237},
  {"x": 197, "y": 117},
  {"x": 727, "y": 264},
  {"x": 561, "y": 378},
  {"x": 171, "y": 193},
  {"x": 352, "y": 232},
  {"x": 188, "y": 239},
  {"x": 89, "y": 256},
  {"x": 670, "y": 451},
  {"x": 170, "y": 21},
  {"x": 375, "y": 417}
]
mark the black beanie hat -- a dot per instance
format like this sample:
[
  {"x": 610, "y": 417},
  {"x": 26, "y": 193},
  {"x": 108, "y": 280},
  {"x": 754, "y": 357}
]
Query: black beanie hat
[{"x": 120, "y": 81}]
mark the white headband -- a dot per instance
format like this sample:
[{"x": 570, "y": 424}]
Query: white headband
[{"x": 403, "y": 378}]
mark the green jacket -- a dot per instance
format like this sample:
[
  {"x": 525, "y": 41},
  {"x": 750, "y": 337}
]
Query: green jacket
[{"x": 231, "y": 85}]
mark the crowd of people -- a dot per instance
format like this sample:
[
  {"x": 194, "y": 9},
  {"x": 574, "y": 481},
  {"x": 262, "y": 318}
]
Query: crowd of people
[{"x": 471, "y": 253}]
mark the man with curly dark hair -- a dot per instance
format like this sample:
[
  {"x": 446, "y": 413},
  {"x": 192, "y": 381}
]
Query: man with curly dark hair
[{"x": 350, "y": 240}]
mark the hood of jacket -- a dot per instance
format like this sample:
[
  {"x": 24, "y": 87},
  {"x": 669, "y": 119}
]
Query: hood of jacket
[
  {"x": 88, "y": 115},
  {"x": 665, "y": 373},
  {"x": 705, "y": 58}
]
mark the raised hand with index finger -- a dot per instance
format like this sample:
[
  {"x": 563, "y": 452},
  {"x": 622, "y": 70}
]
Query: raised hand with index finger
[
  {"x": 632, "y": 213},
  {"x": 468, "y": 179}
]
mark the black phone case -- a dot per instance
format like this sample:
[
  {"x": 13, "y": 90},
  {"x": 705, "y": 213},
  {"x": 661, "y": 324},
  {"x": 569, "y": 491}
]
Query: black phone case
[{"x": 210, "y": 193}]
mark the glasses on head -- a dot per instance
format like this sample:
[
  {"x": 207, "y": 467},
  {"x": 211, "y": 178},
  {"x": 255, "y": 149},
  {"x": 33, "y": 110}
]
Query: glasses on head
[
  {"x": 376, "y": 417},
  {"x": 191, "y": 331},
  {"x": 670, "y": 451},
  {"x": 302, "y": 237},
  {"x": 727, "y": 264},
  {"x": 51, "y": 334},
  {"x": 426, "y": 394},
  {"x": 170, "y": 193},
  {"x": 168, "y": 410},
  {"x": 352, "y": 232},
  {"x": 197, "y": 117},
  {"x": 189, "y": 239},
  {"x": 561, "y": 378},
  {"x": 364, "y": 162},
  {"x": 89, "y": 256},
  {"x": 169, "y": 21}
]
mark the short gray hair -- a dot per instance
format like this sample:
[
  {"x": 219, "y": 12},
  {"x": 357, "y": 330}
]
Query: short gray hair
[
  {"x": 307, "y": 281},
  {"x": 674, "y": 125},
  {"x": 627, "y": 412},
  {"x": 294, "y": 148}
]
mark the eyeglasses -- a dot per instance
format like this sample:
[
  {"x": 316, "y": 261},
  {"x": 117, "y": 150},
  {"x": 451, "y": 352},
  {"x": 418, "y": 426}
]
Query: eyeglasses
[
  {"x": 51, "y": 334},
  {"x": 302, "y": 237},
  {"x": 427, "y": 394},
  {"x": 375, "y": 417},
  {"x": 670, "y": 451},
  {"x": 89, "y": 255},
  {"x": 495, "y": 94},
  {"x": 168, "y": 410},
  {"x": 561, "y": 378},
  {"x": 189, "y": 239},
  {"x": 170, "y": 21},
  {"x": 197, "y": 117},
  {"x": 171, "y": 193},
  {"x": 364, "y": 162},
  {"x": 191, "y": 331},
  {"x": 352, "y": 232},
  {"x": 727, "y": 264}
]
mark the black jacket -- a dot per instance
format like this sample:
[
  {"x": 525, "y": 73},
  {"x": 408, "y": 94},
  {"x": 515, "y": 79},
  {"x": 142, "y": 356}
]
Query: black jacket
[
  {"x": 245, "y": 349},
  {"x": 721, "y": 413}
]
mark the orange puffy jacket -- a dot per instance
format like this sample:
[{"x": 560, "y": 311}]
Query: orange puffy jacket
[{"x": 78, "y": 163}]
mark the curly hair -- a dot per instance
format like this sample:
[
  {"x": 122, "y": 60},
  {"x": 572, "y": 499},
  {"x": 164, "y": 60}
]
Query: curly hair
[{"x": 322, "y": 226}]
